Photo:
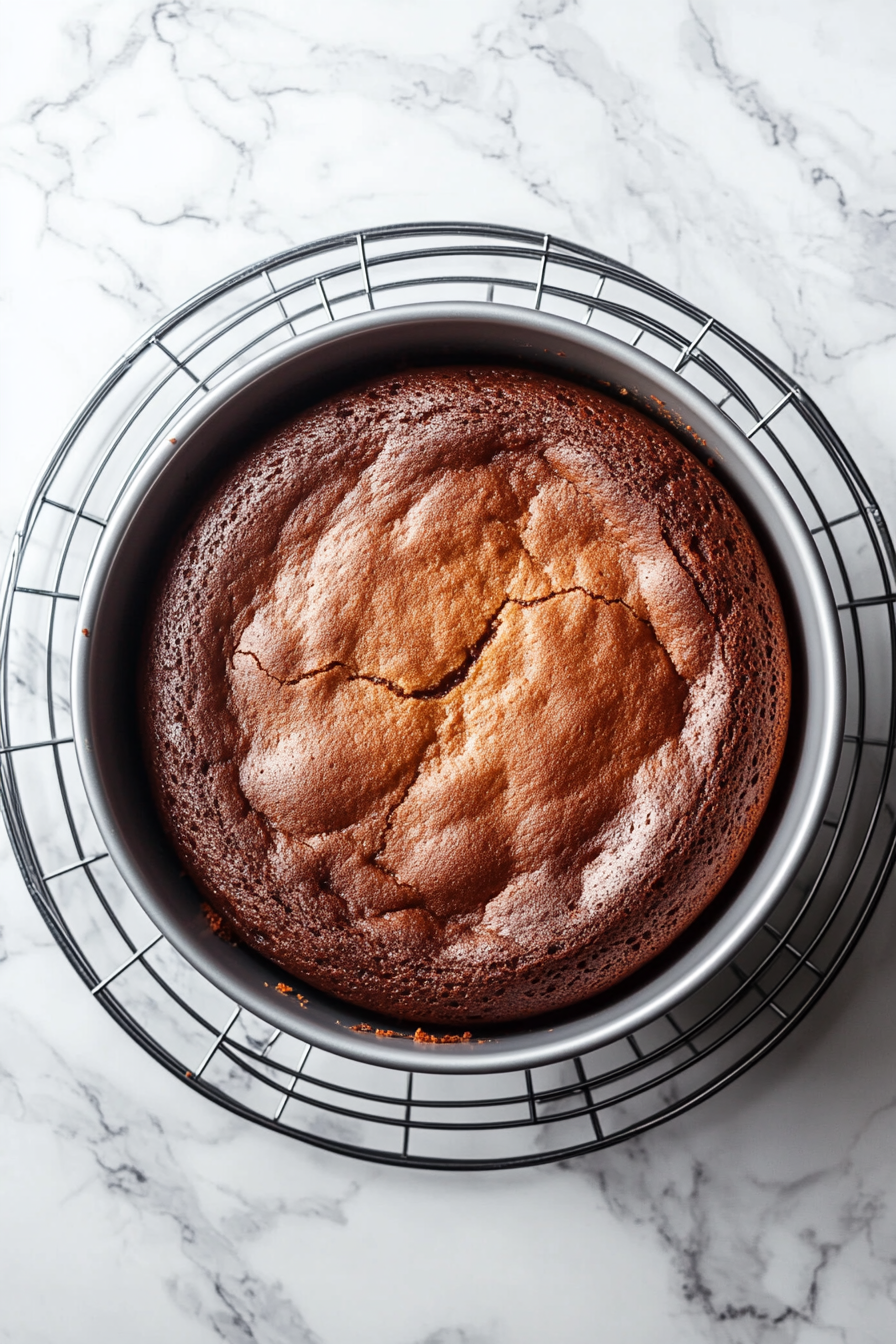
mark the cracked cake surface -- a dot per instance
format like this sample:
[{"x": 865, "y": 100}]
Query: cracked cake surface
[{"x": 464, "y": 693}]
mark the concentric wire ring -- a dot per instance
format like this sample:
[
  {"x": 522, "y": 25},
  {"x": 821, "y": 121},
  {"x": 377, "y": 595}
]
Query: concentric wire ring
[{"x": 497, "y": 1120}]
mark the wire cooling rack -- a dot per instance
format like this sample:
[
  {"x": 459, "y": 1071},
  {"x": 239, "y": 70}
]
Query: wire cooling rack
[{"x": 222, "y": 1051}]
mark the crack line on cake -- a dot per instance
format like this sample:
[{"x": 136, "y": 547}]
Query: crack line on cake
[
  {"x": 460, "y": 673},
  {"x": 291, "y": 681},
  {"x": 390, "y": 817}
]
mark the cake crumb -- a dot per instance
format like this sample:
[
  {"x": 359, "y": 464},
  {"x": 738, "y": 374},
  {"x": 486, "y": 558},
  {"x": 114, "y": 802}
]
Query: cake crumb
[
  {"x": 284, "y": 989},
  {"x": 85, "y": 632},
  {"x": 216, "y": 924},
  {"x": 214, "y": 920},
  {"x": 380, "y": 1031},
  {"x": 421, "y": 1035}
]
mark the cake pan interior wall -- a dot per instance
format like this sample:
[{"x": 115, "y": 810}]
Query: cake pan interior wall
[{"x": 297, "y": 374}]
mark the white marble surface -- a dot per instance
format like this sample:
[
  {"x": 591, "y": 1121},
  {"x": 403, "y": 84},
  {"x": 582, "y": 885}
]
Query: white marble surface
[{"x": 744, "y": 155}]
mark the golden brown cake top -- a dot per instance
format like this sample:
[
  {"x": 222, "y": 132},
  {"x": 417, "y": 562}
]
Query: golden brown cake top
[{"x": 465, "y": 693}]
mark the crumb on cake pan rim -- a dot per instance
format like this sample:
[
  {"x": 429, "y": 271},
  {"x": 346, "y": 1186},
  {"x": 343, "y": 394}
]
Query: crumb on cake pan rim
[{"x": 458, "y": 333}]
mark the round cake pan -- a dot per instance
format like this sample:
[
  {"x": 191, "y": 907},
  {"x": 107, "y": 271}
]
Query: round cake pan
[{"x": 180, "y": 471}]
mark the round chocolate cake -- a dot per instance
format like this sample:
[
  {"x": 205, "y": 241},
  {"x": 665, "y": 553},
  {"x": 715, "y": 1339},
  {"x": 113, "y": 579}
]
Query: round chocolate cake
[{"x": 464, "y": 693}]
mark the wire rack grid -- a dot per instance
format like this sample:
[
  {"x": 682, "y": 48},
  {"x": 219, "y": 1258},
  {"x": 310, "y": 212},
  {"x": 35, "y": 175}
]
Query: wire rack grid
[{"x": 221, "y": 1050}]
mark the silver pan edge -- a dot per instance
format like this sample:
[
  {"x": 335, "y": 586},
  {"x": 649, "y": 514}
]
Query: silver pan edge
[{"x": 300, "y": 372}]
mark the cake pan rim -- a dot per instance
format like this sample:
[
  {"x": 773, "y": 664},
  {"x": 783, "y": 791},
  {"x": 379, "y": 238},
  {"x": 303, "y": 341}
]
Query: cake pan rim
[{"x": 594, "y": 1025}]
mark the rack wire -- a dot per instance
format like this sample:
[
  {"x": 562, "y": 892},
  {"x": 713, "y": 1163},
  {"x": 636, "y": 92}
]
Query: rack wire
[{"x": 223, "y": 1051}]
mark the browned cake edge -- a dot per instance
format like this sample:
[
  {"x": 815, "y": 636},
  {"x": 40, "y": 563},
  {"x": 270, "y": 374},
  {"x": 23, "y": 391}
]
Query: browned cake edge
[{"x": 193, "y": 743}]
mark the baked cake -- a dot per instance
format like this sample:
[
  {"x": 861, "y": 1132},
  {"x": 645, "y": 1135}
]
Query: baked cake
[{"x": 464, "y": 693}]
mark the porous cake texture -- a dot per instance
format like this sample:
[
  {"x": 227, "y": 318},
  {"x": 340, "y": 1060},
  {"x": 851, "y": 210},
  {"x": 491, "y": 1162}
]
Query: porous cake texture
[{"x": 464, "y": 693}]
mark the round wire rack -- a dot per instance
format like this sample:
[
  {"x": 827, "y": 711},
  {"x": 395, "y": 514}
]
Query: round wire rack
[{"x": 221, "y": 1050}]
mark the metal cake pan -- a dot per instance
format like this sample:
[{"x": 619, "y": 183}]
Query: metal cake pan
[{"x": 180, "y": 470}]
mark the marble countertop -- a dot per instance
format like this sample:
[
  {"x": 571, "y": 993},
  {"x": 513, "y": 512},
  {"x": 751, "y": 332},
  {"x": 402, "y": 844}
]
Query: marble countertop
[{"x": 742, "y": 155}]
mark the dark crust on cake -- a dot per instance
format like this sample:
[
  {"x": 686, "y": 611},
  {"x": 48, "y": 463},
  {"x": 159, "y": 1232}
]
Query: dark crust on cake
[{"x": 673, "y": 594}]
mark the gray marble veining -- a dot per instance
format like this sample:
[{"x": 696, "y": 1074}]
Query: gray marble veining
[{"x": 743, "y": 155}]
